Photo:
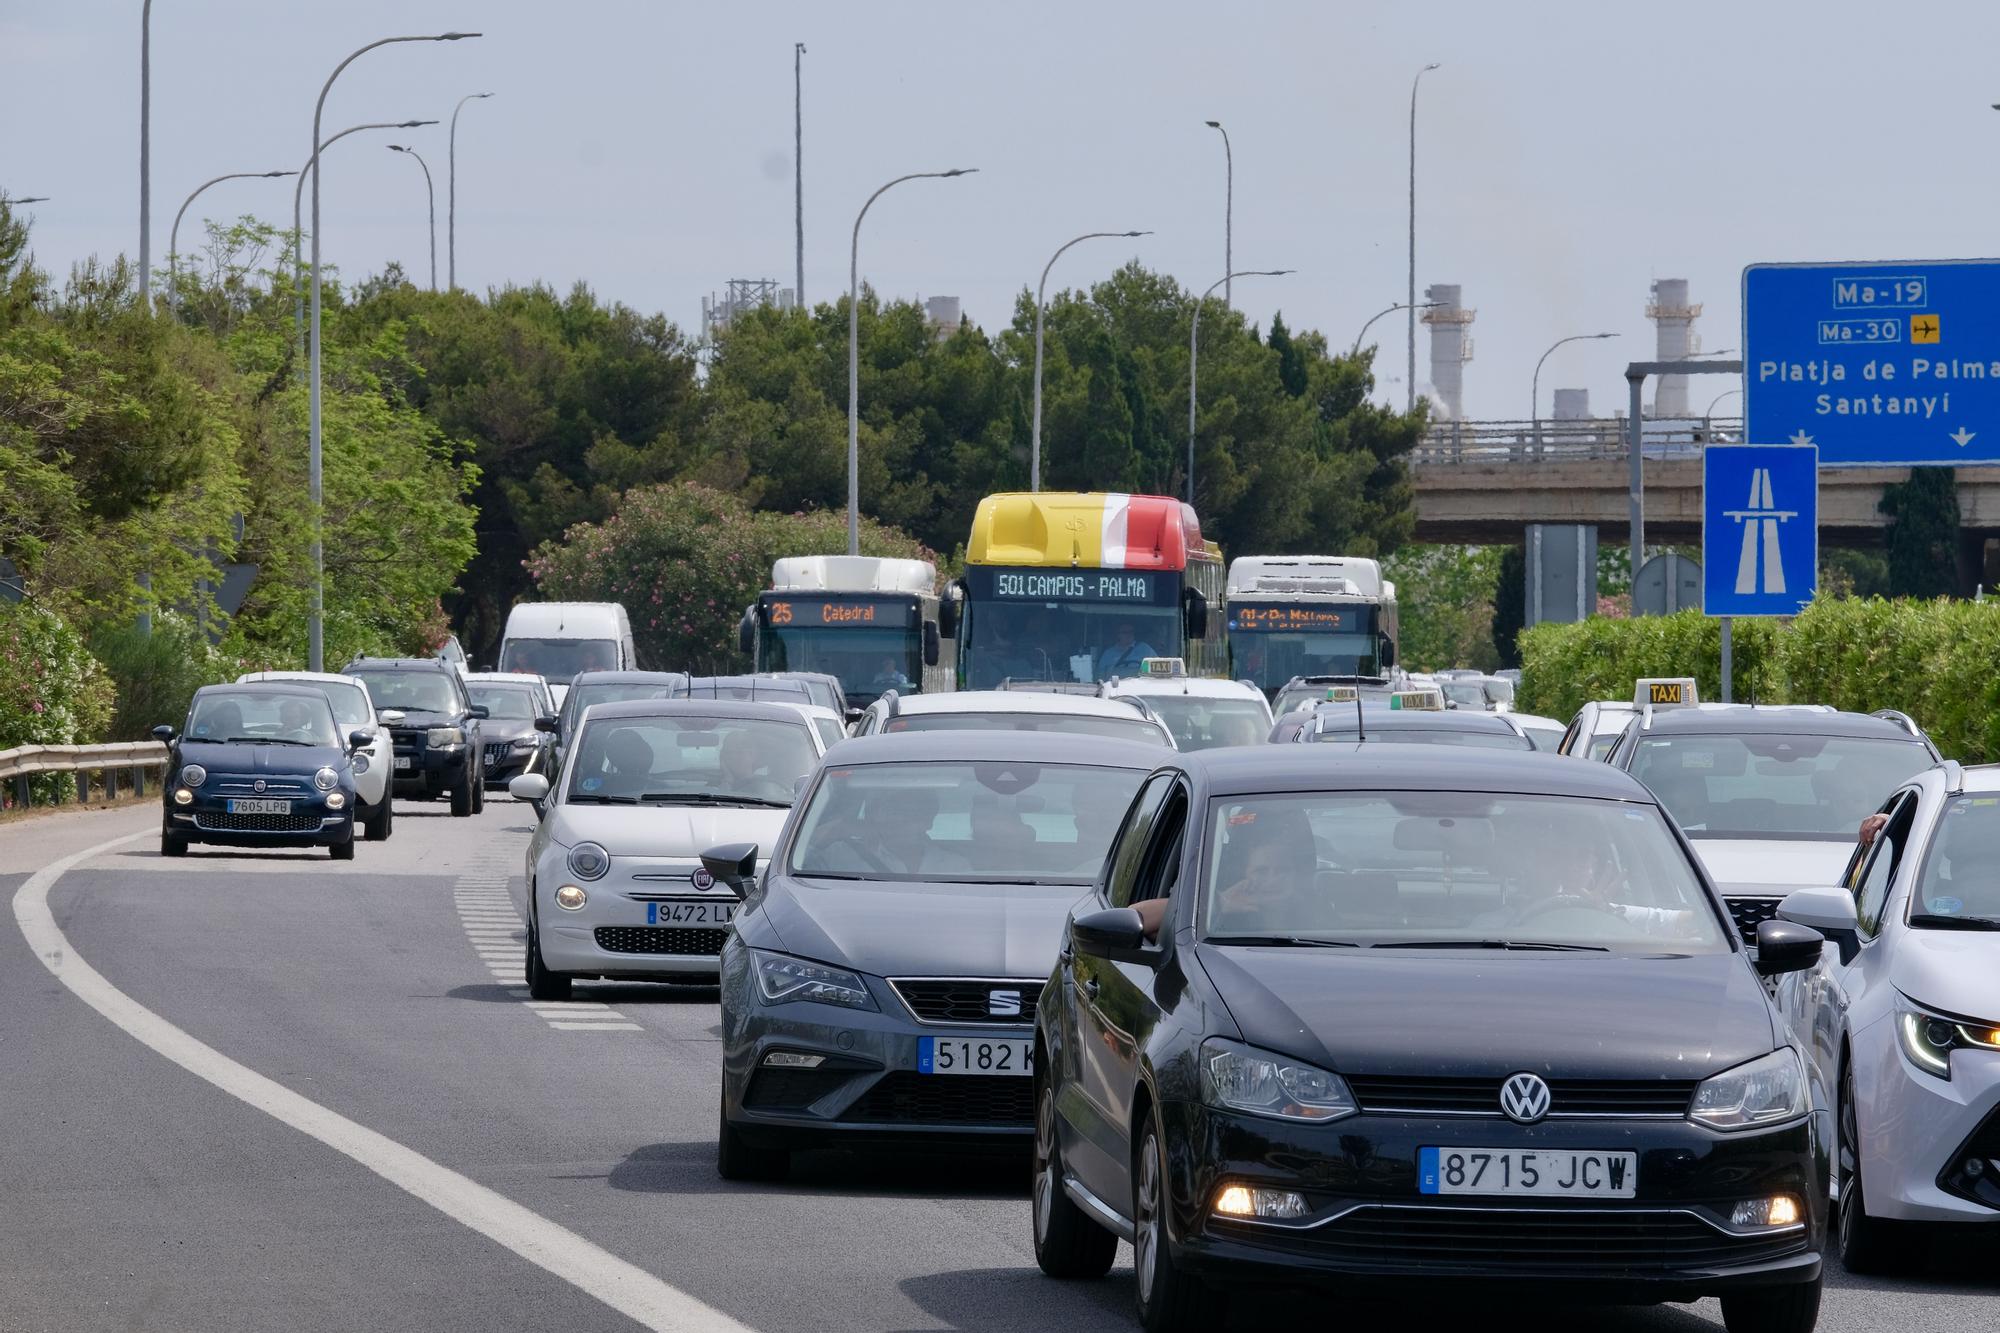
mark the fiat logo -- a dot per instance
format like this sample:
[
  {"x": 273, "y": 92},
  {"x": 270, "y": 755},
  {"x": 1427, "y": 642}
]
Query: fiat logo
[
  {"x": 1525, "y": 1098},
  {"x": 258, "y": 785},
  {"x": 701, "y": 879}
]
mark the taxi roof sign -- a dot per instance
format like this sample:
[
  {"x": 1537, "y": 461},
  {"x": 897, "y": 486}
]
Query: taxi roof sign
[
  {"x": 1342, "y": 694},
  {"x": 1664, "y": 692},
  {"x": 1417, "y": 701},
  {"x": 1163, "y": 666}
]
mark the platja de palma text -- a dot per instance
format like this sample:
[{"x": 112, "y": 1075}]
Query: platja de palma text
[{"x": 1918, "y": 371}]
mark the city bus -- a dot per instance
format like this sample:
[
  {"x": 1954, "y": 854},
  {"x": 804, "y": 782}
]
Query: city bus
[
  {"x": 869, "y": 621},
  {"x": 1064, "y": 586},
  {"x": 1310, "y": 616}
]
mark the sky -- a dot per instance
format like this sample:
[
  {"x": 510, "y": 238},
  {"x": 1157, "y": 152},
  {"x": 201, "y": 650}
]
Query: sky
[{"x": 1569, "y": 151}]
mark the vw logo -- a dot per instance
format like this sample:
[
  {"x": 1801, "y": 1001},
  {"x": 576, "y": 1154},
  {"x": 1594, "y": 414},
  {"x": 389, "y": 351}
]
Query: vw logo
[
  {"x": 1003, "y": 1004},
  {"x": 1525, "y": 1098},
  {"x": 701, "y": 879},
  {"x": 258, "y": 785}
]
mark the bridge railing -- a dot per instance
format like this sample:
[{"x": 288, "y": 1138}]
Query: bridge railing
[{"x": 1446, "y": 443}]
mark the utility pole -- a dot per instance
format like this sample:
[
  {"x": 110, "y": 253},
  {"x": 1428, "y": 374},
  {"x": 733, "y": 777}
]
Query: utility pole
[
  {"x": 146, "y": 156},
  {"x": 1410, "y": 297},
  {"x": 799, "y": 169}
]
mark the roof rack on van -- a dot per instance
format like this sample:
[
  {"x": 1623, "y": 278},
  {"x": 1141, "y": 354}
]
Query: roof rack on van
[{"x": 1901, "y": 719}]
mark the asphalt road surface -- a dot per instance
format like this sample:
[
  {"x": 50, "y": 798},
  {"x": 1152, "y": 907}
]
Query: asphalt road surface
[{"x": 250, "y": 1092}]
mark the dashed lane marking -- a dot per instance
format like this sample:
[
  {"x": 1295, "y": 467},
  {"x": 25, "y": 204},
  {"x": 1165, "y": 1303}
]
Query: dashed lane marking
[{"x": 486, "y": 914}]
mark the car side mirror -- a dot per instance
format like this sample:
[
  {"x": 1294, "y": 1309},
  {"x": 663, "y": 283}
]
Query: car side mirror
[
  {"x": 1388, "y": 655},
  {"x": 391, "y": 717},
  {"x": 733, "y": 864},
  {"x": 530, "y": 787},
  {"x": 948, "y": 609},
  {"x": 1786, "y": 946},
  {"x": 549, "y": 725},
  {"x": 1116, "y": 933},
  {"x": 478, "y": 712},
  {"x": 164, "y": 734},
  {"x": 360, "y": 738},
  {"x": 1828, "y": 911},
  {"x": 746, "y": 632},
  {"x": 931, "y": 645}
]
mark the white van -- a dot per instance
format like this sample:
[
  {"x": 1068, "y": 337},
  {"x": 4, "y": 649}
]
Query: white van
[{"x": 557, "y": 640}]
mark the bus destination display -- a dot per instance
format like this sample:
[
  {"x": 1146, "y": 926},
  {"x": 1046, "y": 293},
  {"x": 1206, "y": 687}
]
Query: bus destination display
[
  {"x": 1295, "y": 618},
  {"x": 821, "y": 611}
]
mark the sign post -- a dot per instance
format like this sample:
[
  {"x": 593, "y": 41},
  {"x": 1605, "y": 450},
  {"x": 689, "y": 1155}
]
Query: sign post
[{"x": 1759, "y": 533}]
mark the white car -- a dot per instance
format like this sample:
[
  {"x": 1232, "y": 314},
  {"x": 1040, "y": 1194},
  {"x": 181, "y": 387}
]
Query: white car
[
  {"x": 1900, "y": 1020},
  {"x": 614, "y": 885},
  {"x": 354, "y": 710},
  {"x": 1013, "y": 710},
  {"x": 1545, "y": 732},
  {"x": 832, "y": 726},
  {"x": 1202, "y": 714}
]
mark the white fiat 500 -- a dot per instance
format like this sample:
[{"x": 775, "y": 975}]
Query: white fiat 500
[
  {"x": 614, "y": 885},
  {"x": 354, "y": 710}
]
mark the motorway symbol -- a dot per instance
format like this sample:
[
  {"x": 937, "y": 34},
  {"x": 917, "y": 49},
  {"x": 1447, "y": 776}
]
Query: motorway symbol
[
  {"x": 1760, "y": 545},
  {"x": 1852, "y": 357}
]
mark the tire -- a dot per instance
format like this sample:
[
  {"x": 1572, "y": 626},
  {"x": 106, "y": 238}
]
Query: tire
[
  {"x": 461, "y": 798},
  {"x": 1169, "y": 1300},
  {"x": 1867, "y": 1245},
  {"x": 478, "y": 790},
  {"x": 1792, "y": 1309},
  {"x": 342, "y": 851},
  {"x": 542, "y": 983},
  {"x": 382, "y": 819},
  {"x": 738, "y": 1160},
  {"x": 1069, "y": 1243},
  {"x": 173, "y": 845}
]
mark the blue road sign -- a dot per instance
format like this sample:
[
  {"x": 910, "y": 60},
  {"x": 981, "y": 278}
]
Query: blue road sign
[
  {"x": 1759, "y": 528},
  {"x": 1880, "y": 365}
]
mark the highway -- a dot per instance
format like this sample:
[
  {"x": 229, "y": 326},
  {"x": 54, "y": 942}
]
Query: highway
[{"x": 258, "y": 1091}]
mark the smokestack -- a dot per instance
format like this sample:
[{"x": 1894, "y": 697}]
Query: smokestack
[
  {"x": 1673, "y": 317},
  {"x": 1450, "y": 347}
]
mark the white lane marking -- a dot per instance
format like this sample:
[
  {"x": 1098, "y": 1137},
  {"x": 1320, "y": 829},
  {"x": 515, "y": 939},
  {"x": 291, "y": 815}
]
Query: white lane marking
[
  {"x": 597, "y": 1027},
  {"x": 494, "y": 930},
  {"x": 623, "y": 1286}
]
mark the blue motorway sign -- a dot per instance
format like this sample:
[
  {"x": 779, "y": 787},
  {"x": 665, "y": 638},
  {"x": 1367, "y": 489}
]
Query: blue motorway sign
[
  {"x": 1759, "y": 528},
  {"x": 1880, "y": 365}
]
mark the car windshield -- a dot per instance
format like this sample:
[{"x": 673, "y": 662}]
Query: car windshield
[
  {"x": 269, "y": 719},
  {"x": 411, "y": 691},
  {"x": 991, "y": 822},
  {"x": 556, "y": 660},
  {"x": 757, "y": 689},
  {"x": 1205, "y": 723},
  {"x": 685, "y": 760},
  {"x": 1499, "y": 689},
  {"x": 1394, "y": 735},
  {"x": 1453, "y": 869},
  {"x": 510, "y": 703},
  {"x": 350, "y": 702},
  {"x": 1465, "y": 691},
  {"x": 1962, "y": 869},
  {"x": 1068, "y": 724},
  {"x": 1544, "y": 738},
  {"x": 1774, "y": 786}
]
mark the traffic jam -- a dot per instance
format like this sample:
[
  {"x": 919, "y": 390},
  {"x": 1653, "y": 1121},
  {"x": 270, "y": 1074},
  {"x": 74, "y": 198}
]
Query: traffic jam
[{"x": 1281, "y": 963}]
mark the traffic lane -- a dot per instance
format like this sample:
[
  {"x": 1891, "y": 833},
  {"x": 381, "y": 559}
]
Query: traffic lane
[{"x": 140, "y": 1196}]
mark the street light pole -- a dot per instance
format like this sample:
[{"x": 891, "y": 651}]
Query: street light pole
[
  {"x": 799, "y": 169},
  {"x": 1035, "y": 450},
  {"x": 1410, "y": 388},
  {"x": 451, "y": 197},
  {"x": 174, "y": 236},
  {"x": 316, "y": 626},
  {"x": 854, "y": 356},
  {"x": 146, "y": 156},
  {"x": 1535, "y": 385},
  {"x": 30, "y": 199},
  {"x": 1228, "y": 212},
  {"x": 430, "y": 192},
  {"x": 1194, "y": 352},
  {"x": 1422, "y": 305}
]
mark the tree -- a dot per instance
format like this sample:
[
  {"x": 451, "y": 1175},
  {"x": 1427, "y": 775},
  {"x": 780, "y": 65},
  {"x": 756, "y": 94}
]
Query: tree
[
  {"x": 1291, "y": 361},
  {"x": 1923, "y": 533},
  {"x": 1445, "y": 596}
]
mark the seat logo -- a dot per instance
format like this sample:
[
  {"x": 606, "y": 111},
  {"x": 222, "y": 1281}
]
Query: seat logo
[
  {"x": 1525, "y": 1098},
  {"x": 1003, "y": 1003}
]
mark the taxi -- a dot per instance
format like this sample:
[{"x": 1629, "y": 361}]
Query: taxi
[
  {"x": 1202, "y": 714},
  {"x": 1413, "y": 717}
]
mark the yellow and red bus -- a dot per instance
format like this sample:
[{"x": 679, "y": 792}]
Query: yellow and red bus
[{"x": 1065, "y": 586}]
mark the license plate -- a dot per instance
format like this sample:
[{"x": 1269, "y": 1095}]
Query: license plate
[
  {"x": 975, "y": 1055},
  {"x": 404, "y": 761},
  {"x": 690, "y": 914},
  {"x": 258, "y": 805},
  {"x": 1539, "y": 1172}
]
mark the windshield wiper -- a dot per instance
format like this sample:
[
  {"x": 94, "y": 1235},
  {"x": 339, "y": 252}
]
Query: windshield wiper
[
  {"x": 1302, "y": 941},
  {"x": 711, "y": 798},
  {"x": 262, "y": 740},
  {"x": 1932, "y": 921},
  {"x": 830, "y": 874},
  {"x": 596, "y": 798},
  {"x": 1549, "y": 945}
]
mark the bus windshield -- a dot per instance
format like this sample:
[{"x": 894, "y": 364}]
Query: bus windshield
[
  {"x": 1083, "y": 641},
  {"x": 1271, "y": 643},
  {"x": 865, "y": 660}
]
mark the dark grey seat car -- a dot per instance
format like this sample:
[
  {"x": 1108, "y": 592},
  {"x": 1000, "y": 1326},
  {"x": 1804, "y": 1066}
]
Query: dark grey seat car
[{"x": 881, "y": 981}]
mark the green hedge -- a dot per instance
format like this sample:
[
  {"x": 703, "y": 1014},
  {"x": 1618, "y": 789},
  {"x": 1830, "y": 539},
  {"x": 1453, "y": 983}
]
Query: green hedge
[
  {"x": 52, "y": 691},
  {"x": 1938, "y": 661}
]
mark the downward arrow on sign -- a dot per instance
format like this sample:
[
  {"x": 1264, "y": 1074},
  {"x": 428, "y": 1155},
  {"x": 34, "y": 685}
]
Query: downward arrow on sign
[{"x": 1962, "y": 436}]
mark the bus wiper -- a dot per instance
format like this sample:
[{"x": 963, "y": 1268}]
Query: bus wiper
[
  {"x": 1933, "y": 921},
  {"x": 712, "y": 798},
  {"x": 1301, "y": 941},
  {"x": 1549, "y": 945}
]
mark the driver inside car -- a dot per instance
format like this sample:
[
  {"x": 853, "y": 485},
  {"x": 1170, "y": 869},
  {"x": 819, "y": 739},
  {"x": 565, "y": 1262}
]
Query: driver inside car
[{"x": 1561, "y": 872}]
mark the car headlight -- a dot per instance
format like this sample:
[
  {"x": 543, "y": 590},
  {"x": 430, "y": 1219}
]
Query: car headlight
[
  {"x": 1235, "y": 1077},
  {"x": 443, "y": 737},
  {"x": 326, "y": 779},
  {"x": 782, "y": 979},
  {"x": 1767, "y": 1091},
  {"x": 1929, "y": 1039},
  {"x": 524, "y": 743},
  {"x": 193, "y": 775},
  {"x": 587, "y": 860},
  {"x": 360, "y": 762},
  {"x": 336, "y": 800}
]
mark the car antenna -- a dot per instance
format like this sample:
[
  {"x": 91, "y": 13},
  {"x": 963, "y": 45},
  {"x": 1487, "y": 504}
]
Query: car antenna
[{"x": 1360, "y": 730}]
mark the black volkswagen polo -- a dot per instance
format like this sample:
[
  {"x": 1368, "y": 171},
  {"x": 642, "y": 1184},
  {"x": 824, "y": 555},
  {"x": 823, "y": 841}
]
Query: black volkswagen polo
[
  {"x": 1432, "y": 1018},
  {"x": 260, "y": 765}
]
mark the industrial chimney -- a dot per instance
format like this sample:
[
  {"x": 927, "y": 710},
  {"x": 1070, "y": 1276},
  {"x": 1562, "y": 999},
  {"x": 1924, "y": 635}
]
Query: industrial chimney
[
  {"x": 1673, "y": 317},
  {"x": 1450, "y": 347}
]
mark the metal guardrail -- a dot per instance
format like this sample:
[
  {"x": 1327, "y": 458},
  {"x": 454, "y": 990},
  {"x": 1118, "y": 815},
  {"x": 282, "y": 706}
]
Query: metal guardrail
[
  {"x": 1599, "y": 439},
  {"x": 19, "y": 765}
]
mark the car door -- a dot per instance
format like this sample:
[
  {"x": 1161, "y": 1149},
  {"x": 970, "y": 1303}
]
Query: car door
[
  {"x": 1821, "y": 1002},
  {"x": 1129, "y": 993}
]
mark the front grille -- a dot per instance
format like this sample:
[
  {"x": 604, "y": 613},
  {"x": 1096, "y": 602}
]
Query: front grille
[
  {"x": 660, "y": 939},
  {"x": 271, "y": 787},
  {"x": 496, "y": 751},
  {"x": 961, "y": 1001},
  {"x": 1749, "y": 913},
  {"x": 1603, "y": 1242},
  {"x": 221, "y": 821},
  {"x": 408, "y": 742},
  {"x": 1567, "y": 1097},
  {"x": 907, "y": 1097},
  {"x": 791, "y": 1089}
]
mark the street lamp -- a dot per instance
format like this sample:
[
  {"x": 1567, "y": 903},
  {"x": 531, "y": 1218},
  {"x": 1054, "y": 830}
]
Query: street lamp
[
  {"x": 30, "y": 199},
  {"x": 174, "y": 236},
  {"x": 146, "y": 156},
  {"x": 853, "y": 352},
  {"x": 1708, "y": 417},
  {"x": 316, "y": 635},
  {"x": 451, "y": 198},
  {"x": 1035, "y": 453},
  {"x": 1228, "y": 210},
  {"x": 1194, "y": 349},
  {"x": 1410, "y": 398},
  {"x": 1422, "y": 305},
  {"x": 1535, "y": 386},
  {"x": 430, "y": 192}
]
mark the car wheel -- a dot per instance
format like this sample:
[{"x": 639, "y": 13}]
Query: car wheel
[
  {"x": 1069, "y": 1243},
  {"x": 1792, "y": 1309},
  {"x": 173, "y": 845},
  {"x": 478, "y": 792},
  {"x": 461, "y": 799},
  {"x": 382, "y": 820},
  {"x": 342, "y": 851},
  {"x": 1867, "y": 1244},
  {"x": 1169, "y": 1300},
  {"x": 542, "y": 983},
  {"x": 738, "y": 1160}
]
